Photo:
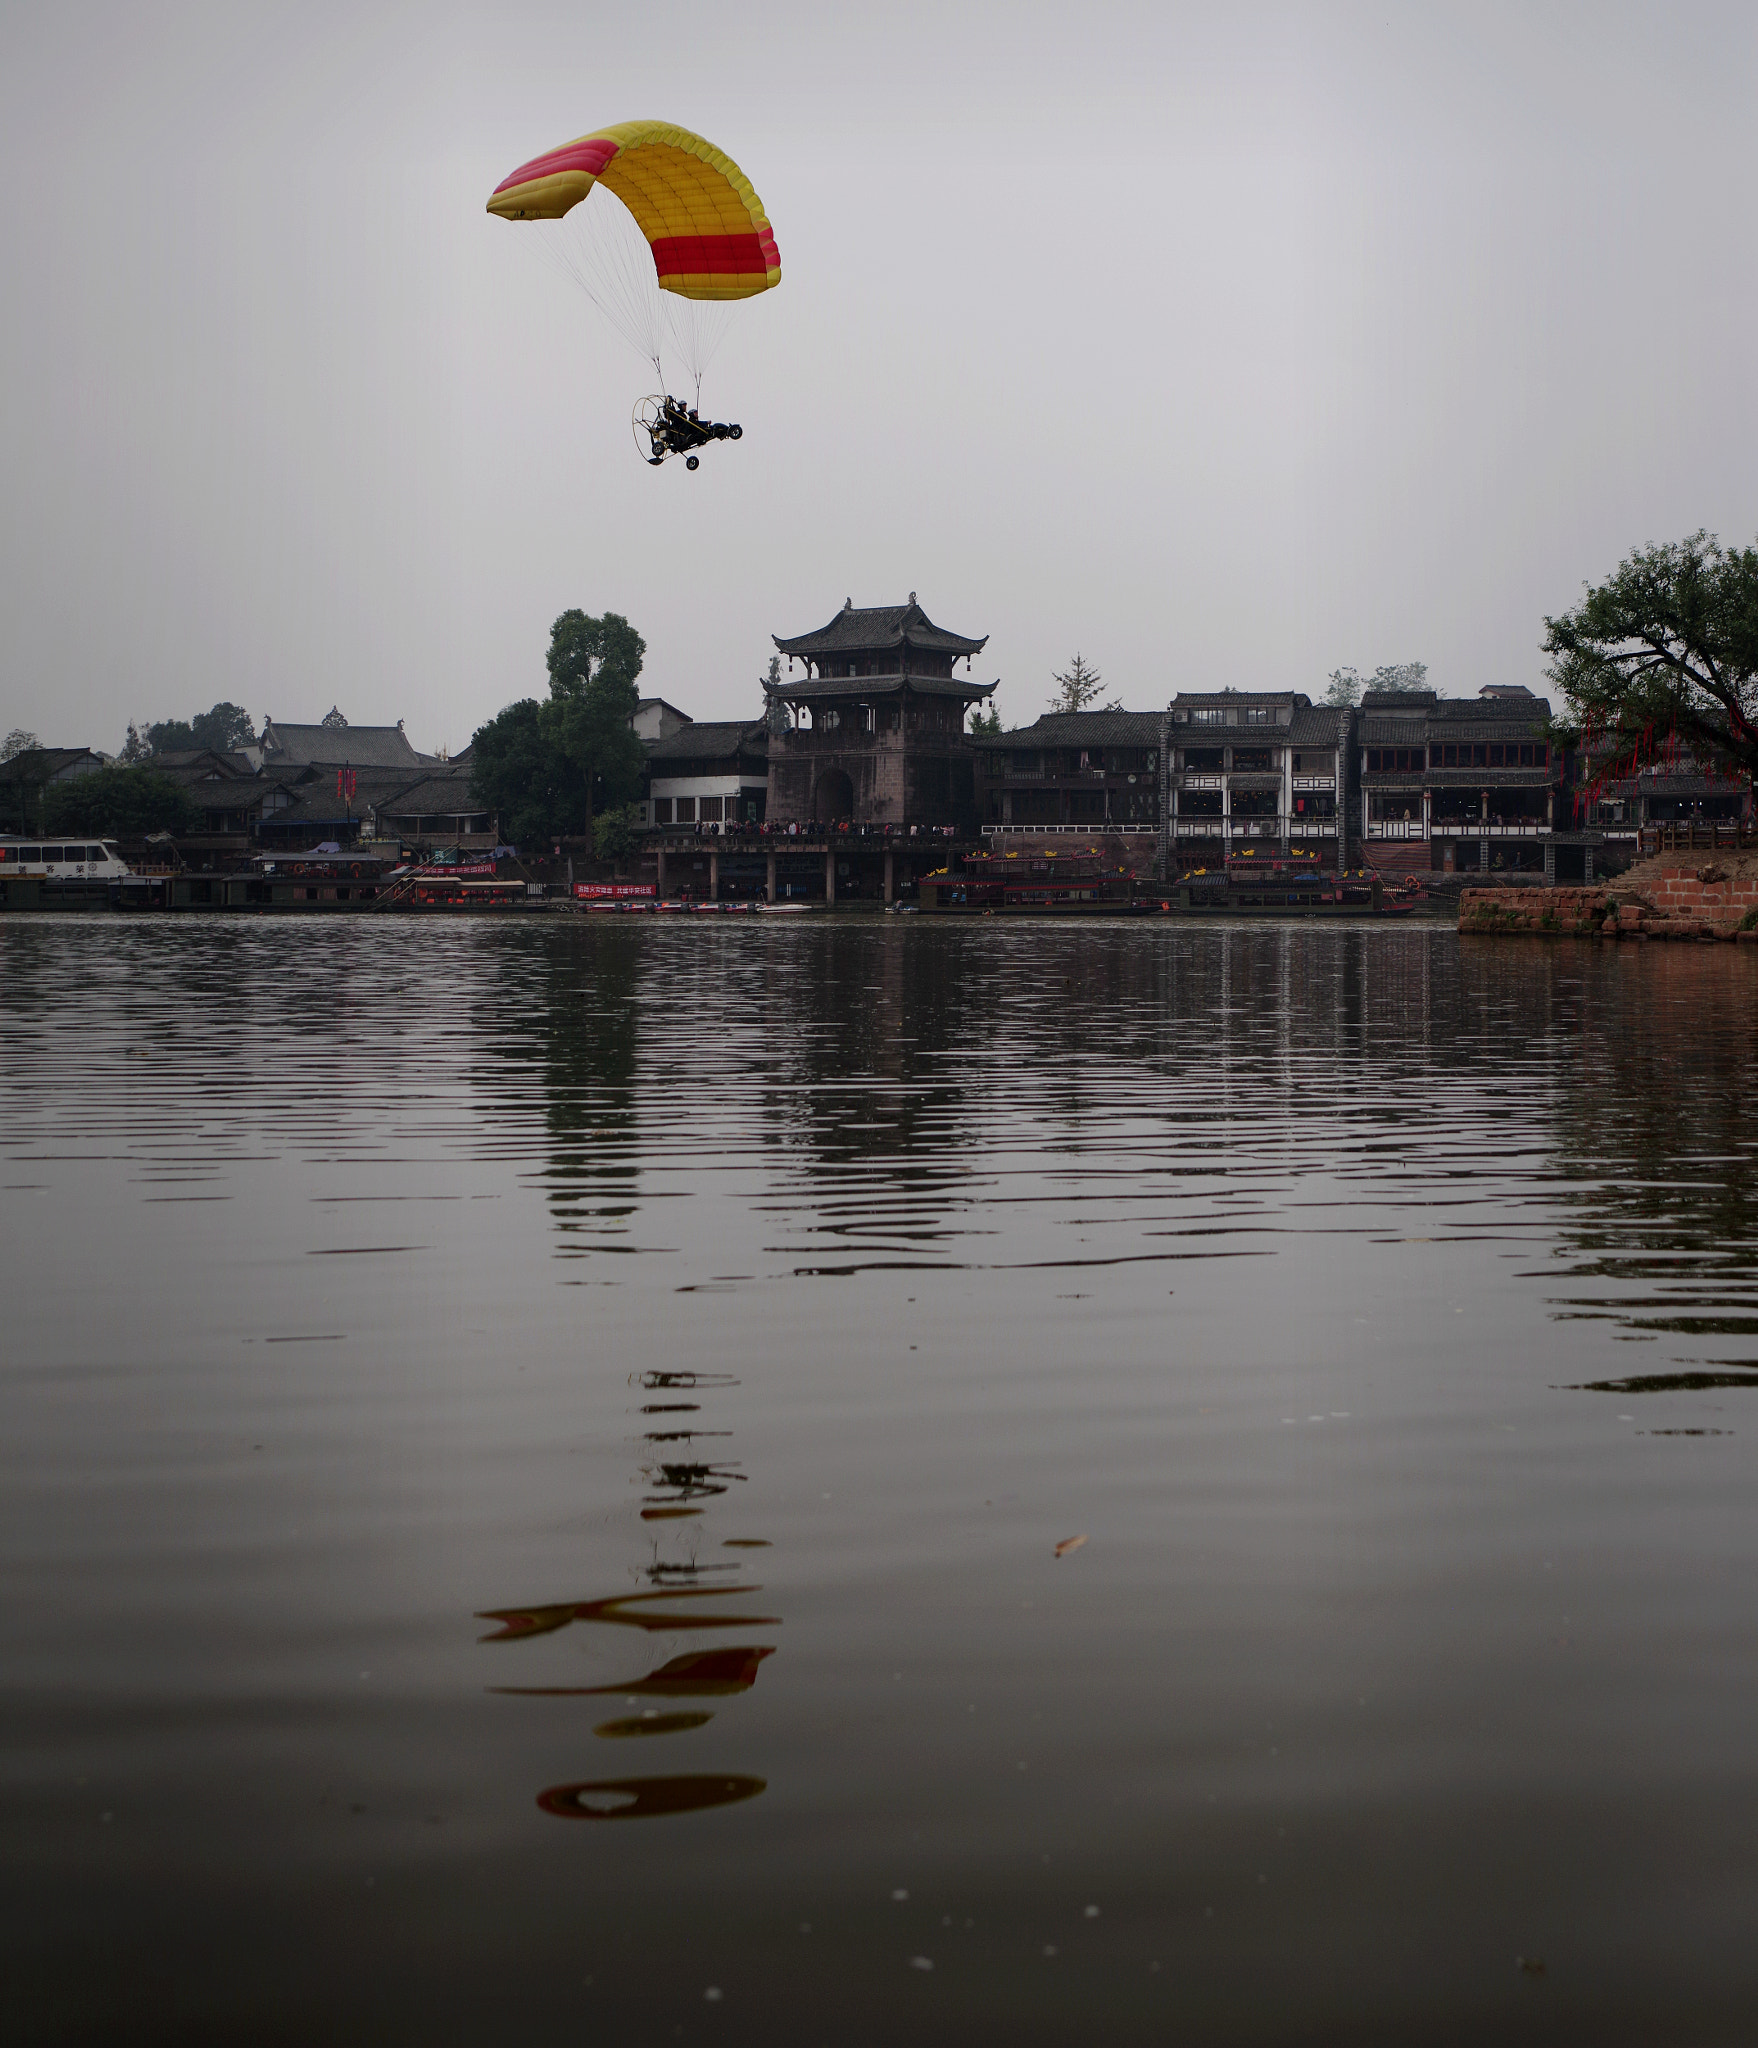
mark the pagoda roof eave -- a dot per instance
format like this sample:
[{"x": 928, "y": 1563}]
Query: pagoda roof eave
[
  {"x": 877, "y": 686},
  {"x": 876, "y": 627}
]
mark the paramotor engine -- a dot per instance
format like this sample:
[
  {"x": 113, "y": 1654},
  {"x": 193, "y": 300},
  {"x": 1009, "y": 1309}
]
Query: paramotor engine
[{"x": 688, "y": 241}]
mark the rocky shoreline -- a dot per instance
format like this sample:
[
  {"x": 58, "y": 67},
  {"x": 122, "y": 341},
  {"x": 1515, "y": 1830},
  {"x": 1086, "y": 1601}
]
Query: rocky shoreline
[{"x": 1674, "y": 896}]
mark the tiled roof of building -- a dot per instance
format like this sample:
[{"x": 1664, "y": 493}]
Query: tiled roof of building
[
  {"x": 1399, "y": 700},
  {"x": 1483, "y": 718},
  {"x": 1316, "y": 725},
  {"x": 711, "y": 740},
  {"x": 41, "y": 764},
  {"x": 879, "y": 626},
  {"x": 326, "y": 746},
  {"x": 316, "y": 795},
  {"x": 881, "y": 686},
  {"x": 1204, "y": 698},
  {"x": 1086, "y": 729},
  {"x": 202, "y": 764},
  {"x": 442, "y": 795}
]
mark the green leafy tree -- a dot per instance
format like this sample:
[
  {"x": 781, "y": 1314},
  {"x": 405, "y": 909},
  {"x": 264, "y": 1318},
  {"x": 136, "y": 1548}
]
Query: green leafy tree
[
  {"x": 547, "y": 767},
  {"x": 613, "y": 833},
  {"x": 125, "y": 803},
  {"x": 18, "y": 741},
  {"x": 1399, "y": 678},
  {"x": 519, "y": 772},
  {"x": 1077, "y": 689},
  {"x": 1345, "y": 687},
  {"x": 985, "y": 720},
  {"x": 593, "y": 666},
  {"x": 1663, "y": 654},
  {"x": 137, "y": 747},
  {"x": 224, "y": 727}
]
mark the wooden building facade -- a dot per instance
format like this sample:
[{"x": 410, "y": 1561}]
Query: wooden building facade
[{"x": 874, "y": 730}]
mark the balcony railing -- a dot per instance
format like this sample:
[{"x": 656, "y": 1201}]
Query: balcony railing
[
  {"x": 1457, "y": 828},
  {"x": 1687, "y": 835},
  {"x": 1103, "y": 827},
  {"x": 1244, "y": 829}
]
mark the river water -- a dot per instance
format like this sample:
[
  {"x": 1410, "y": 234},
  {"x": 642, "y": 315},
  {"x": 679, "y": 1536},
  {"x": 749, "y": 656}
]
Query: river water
[{"x": 535, "y": 1456}]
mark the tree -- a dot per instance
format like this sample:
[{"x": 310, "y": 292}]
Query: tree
[
  {"x": 18, "y": 741},
  {"x": 546, "y": 767},
  {"x": 1664, "y": 655},
  {"x": 1401, "y": 678},
  {"x": 584, "y": 650},
  {"x": 224, "y": 728},
  {"x": 136, "y": 748},
  {"x": 123, "y": 803},
  {"x": 986, "y": 720},
  {"x": 613, "y": 833},
  {"x": 1077, "y": 689},
  {"x": 593, "y": 664},
  {"x": 518, "y": 771}
]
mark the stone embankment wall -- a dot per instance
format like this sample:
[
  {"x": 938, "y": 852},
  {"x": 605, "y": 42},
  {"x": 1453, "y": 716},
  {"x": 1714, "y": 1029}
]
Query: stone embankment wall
[{"x": 1675, "y": 897}]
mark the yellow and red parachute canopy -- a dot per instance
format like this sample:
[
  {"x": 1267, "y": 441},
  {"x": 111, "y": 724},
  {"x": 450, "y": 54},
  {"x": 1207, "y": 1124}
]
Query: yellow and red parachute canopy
[{"x": 705, "y": 225}]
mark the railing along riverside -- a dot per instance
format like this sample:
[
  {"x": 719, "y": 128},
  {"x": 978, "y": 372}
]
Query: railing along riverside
[{"x": 1699, "y": 835}]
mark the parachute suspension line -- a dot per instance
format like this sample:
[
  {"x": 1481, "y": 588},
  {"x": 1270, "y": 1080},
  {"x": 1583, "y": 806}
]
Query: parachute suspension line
[{"x": 599, "y": 247}]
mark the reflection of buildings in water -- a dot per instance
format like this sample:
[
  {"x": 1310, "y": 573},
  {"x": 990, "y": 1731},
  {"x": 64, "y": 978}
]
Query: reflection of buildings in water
[
  {"x": 577, "y": 1025},
  {"x": 675, "y": 1599}
]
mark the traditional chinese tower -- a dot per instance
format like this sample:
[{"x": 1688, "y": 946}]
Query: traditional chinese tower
[{"x": 874, "y": 731}]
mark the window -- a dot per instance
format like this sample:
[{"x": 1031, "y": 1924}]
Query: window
[
  {"x": 709, "y": 809},
  {"x": 662, "y": 810},
  {"x": 830, "y": 720},
  {"x": 1253, "y": 760},
  {"x": 1257, "y": 714},
  {"x": 1213, "y": 715},
  {"x": 1394, "y": 760},
  {"x": 1204, "y": 760}
]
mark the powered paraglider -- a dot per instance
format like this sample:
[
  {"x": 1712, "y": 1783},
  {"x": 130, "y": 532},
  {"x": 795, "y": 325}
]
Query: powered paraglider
[{"x": 687, "y": 242}]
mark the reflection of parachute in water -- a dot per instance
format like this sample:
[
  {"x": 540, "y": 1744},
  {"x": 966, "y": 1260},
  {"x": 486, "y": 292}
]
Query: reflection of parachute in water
[
  {"x": 645, "y": 1798},
  {"x": 690, "y": 227}
]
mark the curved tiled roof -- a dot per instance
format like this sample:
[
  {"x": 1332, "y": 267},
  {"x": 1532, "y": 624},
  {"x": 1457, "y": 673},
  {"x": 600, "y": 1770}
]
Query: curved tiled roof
[
  {"x": 1316, "y": 725},
  {"x": 809, "y": 687},
  {"x": 327, "y": 746},
  {"x": 1086, "y": 729},
  {"x": 711, "y": 740},
  {"x": 879, "y": 626}
]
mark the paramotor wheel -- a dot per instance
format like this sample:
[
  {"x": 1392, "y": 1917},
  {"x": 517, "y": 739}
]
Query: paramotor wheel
[
  {"x": 692, "y": 462},
  {"x": 735, "y": 433},
  {"x": 647, "y": 416}
]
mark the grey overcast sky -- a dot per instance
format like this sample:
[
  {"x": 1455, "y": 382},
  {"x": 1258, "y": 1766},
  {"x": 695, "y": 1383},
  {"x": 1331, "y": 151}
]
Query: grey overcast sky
[{"x": 1224, "y": 344}]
